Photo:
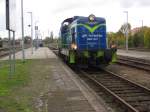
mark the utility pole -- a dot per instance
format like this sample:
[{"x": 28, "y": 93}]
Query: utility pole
[
  {"x": 36, "y": 36},
  {"x": 126, "y": 32},
  {"x": 31, "y": 31},
  {"x": 14, "y": 58},
  {"x": 22, "y": 22},
  {"x": 142, "y": 23},
  {"x": 10, "y": 26},
  {"x": 51, "y": 36}
]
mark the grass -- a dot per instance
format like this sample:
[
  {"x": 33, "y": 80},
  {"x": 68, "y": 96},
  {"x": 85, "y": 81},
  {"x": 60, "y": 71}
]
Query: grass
[
  {"x": 10, "y": 84},
  {"x": 21, "y": 91}
]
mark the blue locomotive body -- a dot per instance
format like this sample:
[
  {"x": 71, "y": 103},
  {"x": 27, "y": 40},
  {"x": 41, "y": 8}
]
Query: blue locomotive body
[
  {"x": 83, "y": 39},
  {"x": 91, "y": 35}
]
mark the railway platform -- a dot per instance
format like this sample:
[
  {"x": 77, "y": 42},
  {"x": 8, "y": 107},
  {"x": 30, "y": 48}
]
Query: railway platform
[
  {"x": 41, "y": 53},
  {"x": 135, "y": 54},
  {"x": 66, "y": 91}
]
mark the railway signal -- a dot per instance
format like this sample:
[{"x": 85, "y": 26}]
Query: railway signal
[{"x": 11, "y": 27}]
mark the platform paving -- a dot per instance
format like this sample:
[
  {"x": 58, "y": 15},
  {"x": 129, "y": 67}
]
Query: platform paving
[
  {"x": 136, "y": 54},
  {"x": 66, "y": 92}
]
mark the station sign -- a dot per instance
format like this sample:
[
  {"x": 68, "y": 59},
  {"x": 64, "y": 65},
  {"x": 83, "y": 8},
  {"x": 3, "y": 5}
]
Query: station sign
[{"x": 11, "y": 15}]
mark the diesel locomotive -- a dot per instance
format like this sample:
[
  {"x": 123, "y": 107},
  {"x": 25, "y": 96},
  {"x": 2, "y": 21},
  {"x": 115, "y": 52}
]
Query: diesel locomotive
[{"x": 83, "y": 40}]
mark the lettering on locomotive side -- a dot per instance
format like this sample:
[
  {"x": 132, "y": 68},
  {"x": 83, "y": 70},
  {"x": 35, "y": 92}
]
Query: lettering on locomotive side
[
  {"x": 95, "y": 39},
  {"x": 92, "y": 35}
]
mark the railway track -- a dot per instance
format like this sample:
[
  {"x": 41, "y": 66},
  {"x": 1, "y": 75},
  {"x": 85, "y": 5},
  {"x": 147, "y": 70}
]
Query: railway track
[
  {"x": 130, "y": 96},
  {"x": 137, "y": 49},
  {"x": 134, "y": 62},
  {"x": 4, "y": 52}
]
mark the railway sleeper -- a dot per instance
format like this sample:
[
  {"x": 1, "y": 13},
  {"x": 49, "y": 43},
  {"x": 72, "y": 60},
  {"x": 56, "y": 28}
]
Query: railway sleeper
[
  {"x": 116, "y": 86},
  {"x": 110, "y": 81},
  {"x": 133, "y": 100},
  {"x": 142, "y": 106},
  {"x": 144, "y": 67},
  {"x": 127, "y": 92},
  {"x": 107, "y": 79},
  {"x": 147, "y": 103},
  {"x": 104, "y": 78},
  {"x": 136, "y": 98},
  {"x": 122, "y": 89},
  {"x": 135, "y": 61},
  {"x": 132, "y": 95}
]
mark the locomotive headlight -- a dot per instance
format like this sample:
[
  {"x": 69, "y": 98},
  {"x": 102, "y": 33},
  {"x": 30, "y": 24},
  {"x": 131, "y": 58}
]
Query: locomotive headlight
[
  {"x": 92, "y": 17},
  {"x": 73, "y": 46}
]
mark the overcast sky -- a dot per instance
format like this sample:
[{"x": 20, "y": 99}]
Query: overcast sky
[{"x": 49, "y": 14}]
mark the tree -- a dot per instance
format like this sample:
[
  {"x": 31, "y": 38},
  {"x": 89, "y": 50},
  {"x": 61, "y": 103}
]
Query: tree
[
  {"x": 130, "y": 41},
  {"x": 147, "y": 38},
  {"x": 138, "y": 39},
  {"x": 120, "y": 38},
  {"x": 125, "y": 27},
  {"x": 111, "y": 37},
  {"x": 121, "y": 33}
]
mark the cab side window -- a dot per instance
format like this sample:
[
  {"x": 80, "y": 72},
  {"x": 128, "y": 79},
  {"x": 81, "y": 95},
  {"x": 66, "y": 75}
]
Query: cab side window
[{"x": 73, "y": 35}]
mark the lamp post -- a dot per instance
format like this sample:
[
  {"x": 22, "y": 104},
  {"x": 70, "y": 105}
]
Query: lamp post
[
  {"x": 31, "y": 31},
  {"x": 22, "y": 23},
  {"x": 36, "y": 34},
  {"x": 142, "y": 23},
  {"x": 126, "y": 32}
]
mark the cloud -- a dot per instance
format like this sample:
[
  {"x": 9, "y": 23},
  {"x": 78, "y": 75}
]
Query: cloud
[
  {"x": 1, "y": 1},
  {"x": 100, "y": 2},
  {"x": 144, "y": 3},
  {"x": 67, "y": 8},
  {"x": 2, "y": 15},
  {"x": 134, "y": 3},
  {"x": 67, "y": 5},
  {"x": 50, "y": 13}
]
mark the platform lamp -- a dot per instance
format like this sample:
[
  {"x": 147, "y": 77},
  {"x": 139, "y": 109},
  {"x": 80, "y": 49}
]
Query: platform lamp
[
  {"x": 31, "y": 31},
  {"x": 126, "y": 32},
  {"x": 36, "y": 34}
]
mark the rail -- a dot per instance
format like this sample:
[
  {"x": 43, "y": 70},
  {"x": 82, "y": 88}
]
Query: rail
[
  {"x": 134, "y": 62},
  {"x": 130, "y": 95}
]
